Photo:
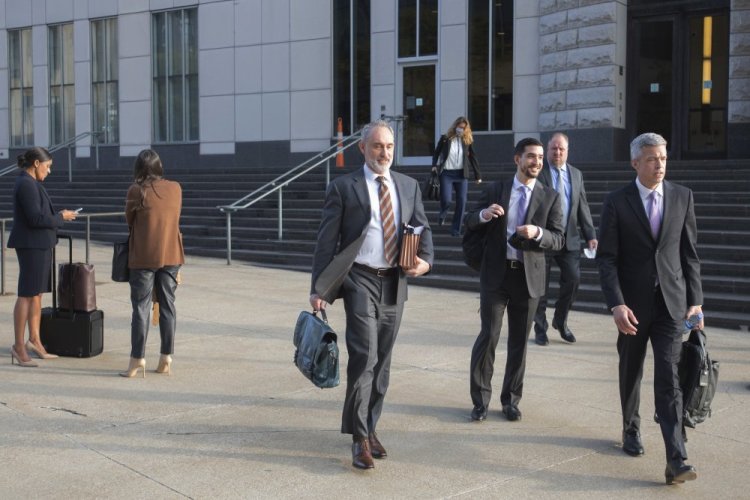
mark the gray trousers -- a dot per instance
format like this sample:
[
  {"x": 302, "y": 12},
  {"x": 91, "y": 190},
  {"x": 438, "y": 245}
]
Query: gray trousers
[
  {"x": 372, "y": 322},
  {"x": 143, "y": 282}
]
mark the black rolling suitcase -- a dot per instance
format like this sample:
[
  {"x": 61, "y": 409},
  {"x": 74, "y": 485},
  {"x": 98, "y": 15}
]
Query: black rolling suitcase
[{"x": 71, "y": 333}]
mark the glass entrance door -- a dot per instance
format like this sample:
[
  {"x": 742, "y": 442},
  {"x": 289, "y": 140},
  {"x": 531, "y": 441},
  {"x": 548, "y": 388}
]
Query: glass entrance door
[
  {"x": 708, "y": 70},
  {"x": 655, "y": 79},
  {"x": 418, "y": 108},
  {"x": 678, "y": 86}
]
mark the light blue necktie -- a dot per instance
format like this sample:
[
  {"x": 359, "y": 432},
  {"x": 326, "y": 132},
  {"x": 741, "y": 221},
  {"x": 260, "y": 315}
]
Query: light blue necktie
[{"x": 563, "y": 196}]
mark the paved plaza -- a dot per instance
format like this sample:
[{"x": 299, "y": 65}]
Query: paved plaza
[{"x": 237, "y": 420}]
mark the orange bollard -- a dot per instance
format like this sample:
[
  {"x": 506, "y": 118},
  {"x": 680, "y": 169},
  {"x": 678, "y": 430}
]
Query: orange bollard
[{"x": 340, "y": 133}]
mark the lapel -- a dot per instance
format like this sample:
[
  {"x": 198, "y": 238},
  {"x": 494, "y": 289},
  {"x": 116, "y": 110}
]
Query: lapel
[
  {"x": 545, "y": 177},
  {"x": 634, "y": 199},
  {"x": 504, "y": 201},
  {"x": 670, "y": 203},
  {"x": 359, "y": 186},
  {"x": 576, "y": 181},
  {"x": 536, "y": 200},
  {"x": 45, "y": 197},
  {"x": 404, "y": 198}
]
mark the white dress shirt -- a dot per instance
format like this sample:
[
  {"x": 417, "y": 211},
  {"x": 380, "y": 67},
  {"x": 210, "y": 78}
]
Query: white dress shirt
[
  {"x": 646, "y": 192},
  {"x": 372, "y": 252}
]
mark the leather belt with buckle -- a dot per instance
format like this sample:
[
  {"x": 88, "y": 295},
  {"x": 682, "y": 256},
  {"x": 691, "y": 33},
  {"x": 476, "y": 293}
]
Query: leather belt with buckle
[
  {"x": 514, "y": 264},
  {"x": 380, "y": 272}
]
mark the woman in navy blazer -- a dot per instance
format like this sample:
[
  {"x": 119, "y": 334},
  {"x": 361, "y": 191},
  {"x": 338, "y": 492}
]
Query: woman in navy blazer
[{"x": 34, "y": 234}]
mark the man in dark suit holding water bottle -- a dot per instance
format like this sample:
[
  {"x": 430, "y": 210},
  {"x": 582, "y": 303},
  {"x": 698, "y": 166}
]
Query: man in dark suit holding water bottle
[{"x": 650, "y": 276}]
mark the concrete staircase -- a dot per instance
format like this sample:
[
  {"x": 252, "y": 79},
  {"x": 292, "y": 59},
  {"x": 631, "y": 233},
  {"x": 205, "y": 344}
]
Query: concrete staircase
[{"x": 721, "y": 194}]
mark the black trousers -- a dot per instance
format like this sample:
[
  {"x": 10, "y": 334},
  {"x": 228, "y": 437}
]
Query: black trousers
[
  {"x": 513, "y": 295},
  {"x": 569, "y": 263},
  {"x": 665, "y": 334},
  {"x": 372, "y": 321}
]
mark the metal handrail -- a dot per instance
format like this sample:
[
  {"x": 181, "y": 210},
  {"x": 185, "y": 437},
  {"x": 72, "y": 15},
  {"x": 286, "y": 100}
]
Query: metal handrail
[
  {"x": 277, "y": 185},
  {"x": 66, "y": 144},
  {"x": 88, "y": 218}
]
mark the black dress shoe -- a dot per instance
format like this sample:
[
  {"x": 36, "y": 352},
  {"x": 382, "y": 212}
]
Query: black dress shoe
[
  {"x": 376, "y": 448},
  {"x": 512, "y": 413},
  {"x": 631, "y": 443},
  {"x": 565, "y": 333},
  {"x": 678, "y": 472},
  {"x": 361, "y": 455},
  {"x": 441, "y": 219},
  {"x": 479, "y": 413},
  {"x": 540, "y": 334}
]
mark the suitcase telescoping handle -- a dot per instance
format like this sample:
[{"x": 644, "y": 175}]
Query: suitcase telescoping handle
[{"x": 54, "y": 272}]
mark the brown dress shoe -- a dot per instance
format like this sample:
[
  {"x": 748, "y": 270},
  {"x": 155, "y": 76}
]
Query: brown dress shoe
[
  {"x": 361, "y": 455},
  {"x": 376, "y": 448}
]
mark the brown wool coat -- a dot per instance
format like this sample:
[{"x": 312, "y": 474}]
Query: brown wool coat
[{"x": 155, "y": 238}]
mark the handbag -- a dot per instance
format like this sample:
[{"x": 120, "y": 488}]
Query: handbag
[
  {"x": 120, "y": 270},
  {"x": 432, "y": 187},
  {"x": 317, "y": 354},
  {"x": 699, "y": 376},
  {"x": 76, "y": 289}
]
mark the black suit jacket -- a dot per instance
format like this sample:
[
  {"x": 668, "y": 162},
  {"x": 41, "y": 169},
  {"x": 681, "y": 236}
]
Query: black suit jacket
[
  {"x": 544, "y": 211},
  {"x": 346, "y": 215},
  {"x": 442, "y": 150},
  {"x": 35, "y": 222},
  {"x": 579, "y": 214},
  {"x": 630, "y": 259}
]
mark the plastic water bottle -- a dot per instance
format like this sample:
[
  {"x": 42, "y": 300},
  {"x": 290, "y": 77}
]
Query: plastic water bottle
[{"x": 693, "y": 321}]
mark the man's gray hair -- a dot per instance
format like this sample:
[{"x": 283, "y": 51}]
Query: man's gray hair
[
  {"x": 643, "y": 140},
  {"x": 367, "y": 129}
]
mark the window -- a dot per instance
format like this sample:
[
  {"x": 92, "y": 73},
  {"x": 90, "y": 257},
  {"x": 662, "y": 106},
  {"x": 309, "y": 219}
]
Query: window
[
  {"x": 351, "y": 56},
  {"x": 491, "y": 64},
  {"x": 61, "y": 84},
  {"x": 104, "y": 81},
  {"x": 417, "y": 28},
  {"x": 175, "y": 73},
  {"x": 21, "y": 88}
]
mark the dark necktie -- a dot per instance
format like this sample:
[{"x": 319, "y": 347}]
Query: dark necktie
[
  {"x": 389, "y": 223},
  {"x": 654, "y": 218}
]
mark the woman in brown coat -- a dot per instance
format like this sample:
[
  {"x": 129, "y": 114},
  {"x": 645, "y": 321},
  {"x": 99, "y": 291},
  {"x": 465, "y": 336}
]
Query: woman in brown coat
[{"x": 155, "y": 255}]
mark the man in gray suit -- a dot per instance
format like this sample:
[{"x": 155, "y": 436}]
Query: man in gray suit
[
  {"x": 568, "y": 181},
  {"x": 521, "y": 219},
  {"x": 356, "y": 258},
  {"x": 650, "y": 276}
]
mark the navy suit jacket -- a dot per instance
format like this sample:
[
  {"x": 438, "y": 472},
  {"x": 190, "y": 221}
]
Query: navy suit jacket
[
  {"x": 346, "y": 215},
  {"x": 579, "y": 214},
  {"x": 630, "y": 259},
  {"x": 544, "y": 211},
  {"x": 35, "y": 222}
]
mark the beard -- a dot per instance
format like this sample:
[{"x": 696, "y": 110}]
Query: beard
[{"x": 379, "y": 166}]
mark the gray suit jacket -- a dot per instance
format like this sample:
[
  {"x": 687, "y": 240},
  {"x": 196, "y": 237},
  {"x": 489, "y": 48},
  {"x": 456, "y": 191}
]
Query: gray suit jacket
[
  {"x": 630, "y": 259},
  {"x": 544, "y": 211},
  {"x": 579, "y": 214},
  {"x": 346, "y": 214}
]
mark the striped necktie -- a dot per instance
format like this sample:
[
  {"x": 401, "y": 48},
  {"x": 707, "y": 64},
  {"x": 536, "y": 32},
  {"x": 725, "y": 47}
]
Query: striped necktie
[{"x": 389, "y": 223}]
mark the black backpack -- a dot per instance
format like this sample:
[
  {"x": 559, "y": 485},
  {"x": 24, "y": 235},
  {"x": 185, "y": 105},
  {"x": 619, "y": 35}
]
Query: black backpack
[{"x": 699, "y": 376}]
